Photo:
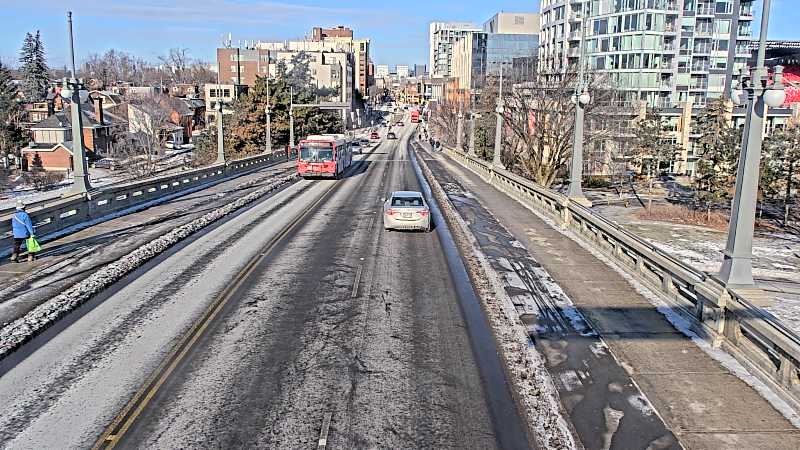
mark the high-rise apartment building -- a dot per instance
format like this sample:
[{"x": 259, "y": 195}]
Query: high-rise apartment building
[
  {"x": 381, "y": 71},
  {"x": 420, "y": 70},
  {"x": 508, "y": 41},
  {"x": 440, "y": 40},
  {"x": 664, "y": 52},
  {"x": 241, "y": 66},
  {"x": 402, "y": 71}
]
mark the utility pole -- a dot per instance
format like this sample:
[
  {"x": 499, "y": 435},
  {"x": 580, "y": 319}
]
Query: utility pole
[
  {"x": 581, "y": 99},
  {"x": 758, "y": 93},
  {"x": 73, "y": 88}
]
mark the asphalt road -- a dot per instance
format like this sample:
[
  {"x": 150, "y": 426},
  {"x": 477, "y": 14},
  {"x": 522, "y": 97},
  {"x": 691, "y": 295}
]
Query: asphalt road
[{"x": 335, "y": 319}]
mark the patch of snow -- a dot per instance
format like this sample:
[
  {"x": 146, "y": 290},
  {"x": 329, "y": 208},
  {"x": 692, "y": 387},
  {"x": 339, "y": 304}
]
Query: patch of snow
[
  {"x": 517, "y": 244},
  {"x": 642, "y": 404}
]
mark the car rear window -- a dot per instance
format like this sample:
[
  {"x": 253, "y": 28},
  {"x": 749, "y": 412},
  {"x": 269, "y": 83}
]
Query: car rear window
[{"x": 407, "y": 201}]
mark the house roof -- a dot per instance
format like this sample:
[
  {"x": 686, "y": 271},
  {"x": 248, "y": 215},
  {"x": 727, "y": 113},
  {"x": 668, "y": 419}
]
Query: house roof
[
  {"x": 115, "y": 98},
  {"x": 42, "y": 148},
  {"x": 63, "y": 119}
]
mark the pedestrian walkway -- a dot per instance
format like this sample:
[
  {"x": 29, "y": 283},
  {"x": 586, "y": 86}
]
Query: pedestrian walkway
[{"x": 701, "y": 402}]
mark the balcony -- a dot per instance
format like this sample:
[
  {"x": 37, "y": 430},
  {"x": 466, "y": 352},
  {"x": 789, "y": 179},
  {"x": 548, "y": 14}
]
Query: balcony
[
  {"x": 700, "y": 68},
  {"x": 574, "y": 53},
  {"x": 575, "y": 35},
  {"x": 705, "y": 11},
  {"x": 746, "y": 11},
  {"x": 705, "y": 31}
]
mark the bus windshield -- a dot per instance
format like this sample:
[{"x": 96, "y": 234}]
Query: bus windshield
[{"x": 316, "y": 152}]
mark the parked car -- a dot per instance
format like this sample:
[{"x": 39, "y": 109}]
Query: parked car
[
  {"x": 374, "y": 136},
  {"x": 106, "y": 163},
  {"x": 390, "y": 135},
  {"x": 356, "y": 146},
  {"x": 406, "y": 210}
]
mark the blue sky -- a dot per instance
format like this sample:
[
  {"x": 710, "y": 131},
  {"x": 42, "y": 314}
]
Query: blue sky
[{"x": 148, "y": 28}]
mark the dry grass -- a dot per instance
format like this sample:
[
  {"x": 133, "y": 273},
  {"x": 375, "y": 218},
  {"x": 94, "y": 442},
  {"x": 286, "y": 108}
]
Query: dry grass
[{"x": 686, "y": 216}]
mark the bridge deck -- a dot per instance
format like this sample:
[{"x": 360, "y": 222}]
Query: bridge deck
[{"x": 702, "y": 402}]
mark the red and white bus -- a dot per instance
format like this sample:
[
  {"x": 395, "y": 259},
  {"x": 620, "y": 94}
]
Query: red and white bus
[
  {"x": 325, "y": 155},
  {"x": 415, "y": 116}
]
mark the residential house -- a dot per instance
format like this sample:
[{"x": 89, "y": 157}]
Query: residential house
[{"x": 52, "y": 137}]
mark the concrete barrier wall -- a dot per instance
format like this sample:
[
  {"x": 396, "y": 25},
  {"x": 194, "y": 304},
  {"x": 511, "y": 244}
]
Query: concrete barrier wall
[
  {"x": 723, "y": 317},
  {"x": 58, "y": 216}
]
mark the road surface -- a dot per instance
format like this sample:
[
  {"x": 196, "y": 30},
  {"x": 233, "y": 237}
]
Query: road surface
[{"x": 322, "y": 318}]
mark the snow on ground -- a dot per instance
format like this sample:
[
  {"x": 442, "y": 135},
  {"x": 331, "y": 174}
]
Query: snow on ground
[{"x": 776, "y": 256}]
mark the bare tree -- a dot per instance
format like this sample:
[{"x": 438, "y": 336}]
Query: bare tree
[
  {"x": 540, "y": 122},
  {"x": 151, "y": 125}
]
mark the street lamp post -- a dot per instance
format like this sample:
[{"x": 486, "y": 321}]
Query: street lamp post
[
  {"x": 755, "y": 90},
  {"x": 268, "y": 111},
  {"x": 497, "y": 161},
  {"x": 472, "y": 134},
  {"x": 581, "y": 99},
  {"x": 73, "y": 88},
  {"x": 220, "y": 135},
  {"x": 291, "y": 118},
  {"x": 459, "y": 131}
]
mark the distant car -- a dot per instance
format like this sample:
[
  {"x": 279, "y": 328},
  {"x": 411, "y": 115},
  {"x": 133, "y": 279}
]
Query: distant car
[
  {"x": 374, "y": 136},
  {"x": 406, "y": 210},
  {"x": 356, "y": 147},
  {"x": 391, "y": 135},
  {"x": 400, "y": 124},
  {"x": 106, "y": 163}
]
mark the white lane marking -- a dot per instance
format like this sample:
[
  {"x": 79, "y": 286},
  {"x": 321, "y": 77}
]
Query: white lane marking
[
  {"x": 354, "y": 294},
  {"x": 323, "y": 434}
]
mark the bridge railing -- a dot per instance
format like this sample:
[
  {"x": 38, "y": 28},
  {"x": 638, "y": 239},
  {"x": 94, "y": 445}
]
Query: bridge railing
[
  {"x": 725, "y": 318},
  {"x": 59, "y": 216}
]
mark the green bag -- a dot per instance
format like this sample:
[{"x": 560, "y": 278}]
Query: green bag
[{"x": 33, "y": 245}]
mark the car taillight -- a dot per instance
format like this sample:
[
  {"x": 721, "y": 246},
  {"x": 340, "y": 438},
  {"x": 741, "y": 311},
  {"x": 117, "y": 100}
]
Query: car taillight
[
  {"x": 424, "y": 212},
  {"x": 390, "y": 212}
]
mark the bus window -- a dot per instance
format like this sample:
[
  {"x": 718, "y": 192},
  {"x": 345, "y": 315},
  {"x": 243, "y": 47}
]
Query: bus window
[{"x": 316, "y": 152}]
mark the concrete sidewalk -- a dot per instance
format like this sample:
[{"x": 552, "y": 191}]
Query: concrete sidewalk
[{"x": 699, "y": 400}]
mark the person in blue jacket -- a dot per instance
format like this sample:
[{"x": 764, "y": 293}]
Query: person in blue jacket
[{"x": 22, "y": 227}]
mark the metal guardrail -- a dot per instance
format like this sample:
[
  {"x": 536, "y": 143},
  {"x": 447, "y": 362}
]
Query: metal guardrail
[
  {"x": 724, "y": 317},
  {"x": 55, "y": 216}
]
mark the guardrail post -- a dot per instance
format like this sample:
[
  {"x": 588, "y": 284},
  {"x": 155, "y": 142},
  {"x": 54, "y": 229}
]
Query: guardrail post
[{"x": 666, "y": 283}]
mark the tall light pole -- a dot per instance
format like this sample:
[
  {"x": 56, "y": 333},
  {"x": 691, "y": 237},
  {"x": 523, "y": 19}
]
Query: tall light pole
[
  {"x": 73, "y": 88},
  {"x": 291, "y": 118},
  {"x": 459, "y": 131},
  {"x": 497, "y": 161},
  {"x": 581, "y": 99},
  {"x": 268, "y": 111},
  {"x": 220, "y": 135},
  {"x": 737, "y": 265}
]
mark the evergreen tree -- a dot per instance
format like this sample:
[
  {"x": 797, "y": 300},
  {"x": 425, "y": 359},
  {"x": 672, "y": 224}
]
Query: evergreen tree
[
  {"x": 248, "y": 123},
  {"x": 718, "y": 147},
  {"x": 652, "y": 146},
  {"x": 780, "y": 163},
  {"x": 33, "y": 68},
  {"x": 12, "y": 137}
]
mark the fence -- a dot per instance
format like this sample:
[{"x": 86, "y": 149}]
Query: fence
[
  {"x": 724, "y": 317},
  {"x": 57, "y": 216}
]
